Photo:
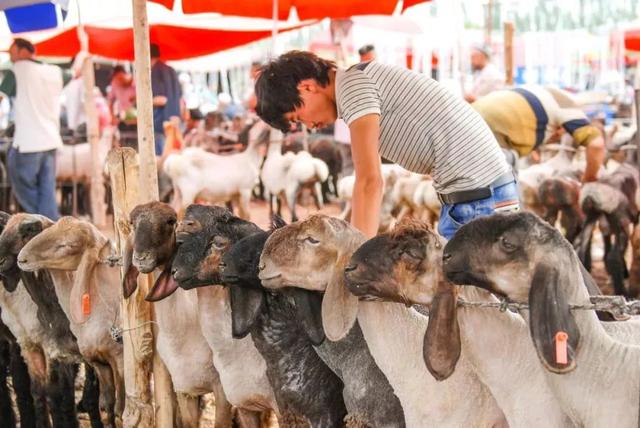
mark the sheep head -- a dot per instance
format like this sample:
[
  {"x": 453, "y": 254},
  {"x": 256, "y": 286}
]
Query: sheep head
[
  {"x": 525, "y": 259},
  {"x": 71, "y": 245},
  {"x": 20, "y": 229},
  {"x": 151, "y": 244},
  {"x": 402, "y": 266},
  {"x": 405, "y": 266},
  {"x": 211, "y": 233},
  {"x": 312, "y": 255}
]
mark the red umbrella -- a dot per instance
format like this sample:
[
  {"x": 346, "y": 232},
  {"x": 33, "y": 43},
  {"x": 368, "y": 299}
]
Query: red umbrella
[
  {"x": 307, "y": 9},
  {"x": 632, "y": 40},
  {"x": 176, "y": 42}
]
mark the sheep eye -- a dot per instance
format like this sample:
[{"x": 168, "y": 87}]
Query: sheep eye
[
  {"x": 413, "y": 253},
  {"x": 171, "y": 221},
  {"x": 311, "y": 240},
  {"x": 218, "y": 243},
  {"x": 508, "y": 246}
]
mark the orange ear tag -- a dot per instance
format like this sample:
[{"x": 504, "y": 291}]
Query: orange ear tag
[
  {"x": 86, "y": 304},
  {"x": 561, "y": 347}
]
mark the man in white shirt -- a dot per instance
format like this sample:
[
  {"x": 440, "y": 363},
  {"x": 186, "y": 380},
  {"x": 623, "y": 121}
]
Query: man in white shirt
[
  {"x": 486, "y": 76},
  {"x": 37, "y": 89}
]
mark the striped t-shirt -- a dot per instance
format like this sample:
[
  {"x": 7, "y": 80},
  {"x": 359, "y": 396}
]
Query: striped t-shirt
[{"x": 423, "y": 127}]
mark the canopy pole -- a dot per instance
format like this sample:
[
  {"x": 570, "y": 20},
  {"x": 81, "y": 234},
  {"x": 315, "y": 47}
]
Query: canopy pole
[
  {"x": 274, "y": 29},
  {"x": 508, "y": 52},
  {"x": 148, "y": 191}
]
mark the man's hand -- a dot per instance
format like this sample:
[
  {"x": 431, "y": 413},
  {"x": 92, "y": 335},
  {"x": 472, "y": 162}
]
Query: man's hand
[
  {"x": 367, "y": 190},
  {"x": 159, "y": 101},
  {"x": 595, "y": 159}
]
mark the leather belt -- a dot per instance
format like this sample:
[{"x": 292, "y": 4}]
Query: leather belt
[{"x": 476, "y": 194}]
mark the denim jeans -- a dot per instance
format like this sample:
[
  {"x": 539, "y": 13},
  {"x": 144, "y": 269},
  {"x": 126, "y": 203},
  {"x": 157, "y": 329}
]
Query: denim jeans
[
  {"x": 159, "y": 142},
  {"x": 453, "y": 217},
  {"x": 33, "y": 181}
]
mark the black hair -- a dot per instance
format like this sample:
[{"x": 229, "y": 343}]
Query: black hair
[
  {"x": 117, "y": 69},
  {"x": 154, "y": 50},
  {"x": 195, "y": 114},
  {"x": 277, "y": 84},
  {"x": 365, "y": 49},
  {"x": 24, "y": 44}
]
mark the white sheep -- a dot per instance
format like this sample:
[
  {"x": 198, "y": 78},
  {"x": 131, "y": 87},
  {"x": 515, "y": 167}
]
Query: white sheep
[
  {"x": 594, "y": 377},
  {"x": 284, "y": 175},
  {"x": 89, "y": 294},
  {"x": 196, "y": 173}
]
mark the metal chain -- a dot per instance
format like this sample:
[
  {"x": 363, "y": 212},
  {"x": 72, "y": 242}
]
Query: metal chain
[
  {"x": 113, "y": 261},
  {"x": 617, "y": 305}
]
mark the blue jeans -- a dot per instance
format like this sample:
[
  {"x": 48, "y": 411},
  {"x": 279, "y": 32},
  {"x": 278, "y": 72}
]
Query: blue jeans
[
  {"x": 33, "y": 181},
  {"x": 159, "y": 142},
  {"x": 453, "y": 217}
]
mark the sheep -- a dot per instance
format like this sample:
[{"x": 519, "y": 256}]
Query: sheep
[
  {"x": 529, "y": 179},
  {"x": 405, "y": 266},
  {"x": 72, "y": 251},
  {"x": 561, "y": 196},
  {"x": 11, "y": 362},
  {"x": 426, "y": 199},
  {"x": 521, "y": 257},
  {"x": 610, "y": 201},
  {"x": 390, "y": 174},
  {"x": 306, "y": 391},
  {"x": 327, "y": 150},
  {"x": 312, "y": 255},
  {"x": 51, "y": 340},
  {"x": 241, "y": 368},
  {"x": 186, "y": 356},
  {"x": 284, "y": 175},
  {"x": 196, "y": 173}
]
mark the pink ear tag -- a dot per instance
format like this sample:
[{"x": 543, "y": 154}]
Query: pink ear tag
[{"x": 561, "y": 347}]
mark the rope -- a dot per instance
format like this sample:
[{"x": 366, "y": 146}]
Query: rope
[{"x": 617, "y": 305}]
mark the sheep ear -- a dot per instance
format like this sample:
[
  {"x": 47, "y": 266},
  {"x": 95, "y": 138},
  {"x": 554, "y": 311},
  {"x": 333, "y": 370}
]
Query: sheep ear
[
  {"x": 164, "y": 286},
  {"x": 442, "y": 346},
  {"x": 549, "y": 314},
  {"x": 339, "y": 306},
  {"x": 84, "y": 283},
  {"x": 309, "y": 309},
  {"x": 246, "y": 306},
  {"x": 130, "y": 277}
]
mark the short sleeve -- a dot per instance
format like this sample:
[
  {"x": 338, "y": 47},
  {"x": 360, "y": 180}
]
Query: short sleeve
[
  {"x": 575, "y": 122},
  {"x": 8, "y": 85},
  {"x": 356, "y": 96}
]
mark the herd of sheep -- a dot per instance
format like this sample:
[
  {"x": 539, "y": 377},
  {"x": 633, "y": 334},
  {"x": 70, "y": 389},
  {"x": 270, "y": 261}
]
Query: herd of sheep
[{"x": 320, "y": 327}]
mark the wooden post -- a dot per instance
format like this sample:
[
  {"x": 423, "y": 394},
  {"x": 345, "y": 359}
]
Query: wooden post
[
  {"x": 636, "y": 102},
  {"x": 148, "y": 185},
  {"x": 508, "y": 52},
  {"x": 488, "y": 24},
  {"x": 98, "y": 207},
  {"x": 136, "y": 312},
  {"x": 144, "y": 104}
]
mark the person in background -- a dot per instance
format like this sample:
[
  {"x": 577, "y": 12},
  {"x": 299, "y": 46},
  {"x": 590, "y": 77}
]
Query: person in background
[
  {"x": 524, "y": 118},
  {"x": 37, "y": 89},
  {"x": 402, "y": 115},
  {"x": 122, "y": 94},
  {"x": 250, "y": 97},
  {"x": 166, "y": 91},
  {"x": 367, "y": 53},
  {"x": 486, "y": 76},
  {"x": 195, "y": 121}
]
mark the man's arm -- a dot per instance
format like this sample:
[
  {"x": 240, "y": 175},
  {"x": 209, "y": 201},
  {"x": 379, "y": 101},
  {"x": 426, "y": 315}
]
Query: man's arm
[
  {"x": 8, "y": 85},
  {"x": 367, "y": 190},
  {"x": 595, "y": 159}
]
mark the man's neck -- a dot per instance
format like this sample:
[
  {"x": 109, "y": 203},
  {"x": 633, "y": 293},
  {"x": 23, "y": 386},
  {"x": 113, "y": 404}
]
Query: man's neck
[{"x": 331, "y": 86}]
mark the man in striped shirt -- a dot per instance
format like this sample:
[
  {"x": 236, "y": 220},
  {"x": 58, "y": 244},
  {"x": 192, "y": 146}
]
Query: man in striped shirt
[{"x": 399, "y": 114}]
